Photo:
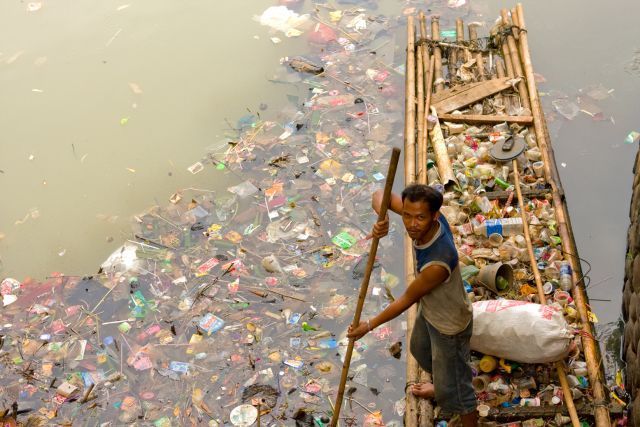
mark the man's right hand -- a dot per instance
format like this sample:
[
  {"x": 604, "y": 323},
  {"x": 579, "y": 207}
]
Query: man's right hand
[{"x": 380, "y": 229}]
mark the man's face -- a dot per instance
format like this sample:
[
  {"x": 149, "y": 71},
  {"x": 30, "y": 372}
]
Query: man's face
[{"x": 418, "y": 219}]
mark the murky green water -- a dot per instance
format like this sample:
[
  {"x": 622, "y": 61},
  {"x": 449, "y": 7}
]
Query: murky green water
[{"x": 105, "y": 104}]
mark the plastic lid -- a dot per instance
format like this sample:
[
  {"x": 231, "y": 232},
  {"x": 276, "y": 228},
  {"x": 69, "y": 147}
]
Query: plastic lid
[{"x": 243, "y": 415}]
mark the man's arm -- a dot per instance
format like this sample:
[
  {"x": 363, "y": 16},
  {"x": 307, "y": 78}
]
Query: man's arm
[
  {"x": 395, "y": 203},
  {"x": 427, "y": 280}
]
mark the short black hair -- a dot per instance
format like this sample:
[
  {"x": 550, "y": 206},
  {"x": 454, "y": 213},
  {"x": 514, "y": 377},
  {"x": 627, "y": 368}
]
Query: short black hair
[{"x": 423, "y": 193}]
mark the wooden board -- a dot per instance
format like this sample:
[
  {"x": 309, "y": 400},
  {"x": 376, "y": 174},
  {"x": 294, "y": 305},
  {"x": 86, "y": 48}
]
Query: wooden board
[
  {"x": 461, "y": 96},
  {"x": 481, "y": 119}
]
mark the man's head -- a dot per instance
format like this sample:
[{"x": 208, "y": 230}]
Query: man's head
[{"x": 420, "y": 210}]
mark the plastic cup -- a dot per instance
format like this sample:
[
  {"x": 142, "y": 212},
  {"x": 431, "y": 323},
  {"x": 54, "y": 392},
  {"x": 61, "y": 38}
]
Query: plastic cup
[
  {"x": 538, "y": 169},
  {"x": 480, "y": 383},
  {"x": 483, "y": 410},
  {"x": 561, "y": 297},
  {"x": 495, "y": 239}
]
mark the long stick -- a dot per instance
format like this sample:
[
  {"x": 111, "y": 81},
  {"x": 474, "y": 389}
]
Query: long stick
[
  {"x": 420, "y": 142},
  {"x": 515, "y": 61},
  {"x": 566, "y": 391},
  {"x": 391, "y": 173},
  {"x": 473, "y": 35},
  {"x": 562, "y": 216},
  {"x": 437, "y": 52},
  {"x": 409, "y": 178}
]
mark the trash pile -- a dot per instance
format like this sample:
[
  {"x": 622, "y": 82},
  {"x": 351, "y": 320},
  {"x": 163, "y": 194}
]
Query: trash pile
[{"x": 488, "y": 229}]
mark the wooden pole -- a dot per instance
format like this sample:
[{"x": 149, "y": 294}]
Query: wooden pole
[
  {"x": 515, "y": 61},
  {"x": 424, "y": 36},
  {"x": 527, "y": 236},
  {"x": 411, "y": 413},
  {"x": 420, "y": 118},
  {"x": 421, "y": 161},
  {"x": 410, "y": 99},
  {"x": 473, "y": 36},
  {"x": 452, "y": 62},
  {"x": 391, "y": 173},
  {"x": 437, "y": 52},
  {"x": 590, "y": 348},
  {"x": 445, "y": 170},
  {"x": 428, "y": 70},
  {"x": 566, "y": 391}
]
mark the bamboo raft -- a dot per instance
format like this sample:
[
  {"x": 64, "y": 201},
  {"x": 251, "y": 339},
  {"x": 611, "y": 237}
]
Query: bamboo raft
[{"x": 477, "y": 84}]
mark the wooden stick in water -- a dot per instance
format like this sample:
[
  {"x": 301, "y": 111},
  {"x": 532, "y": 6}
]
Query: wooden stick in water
[{"x": 391, "y": 173}]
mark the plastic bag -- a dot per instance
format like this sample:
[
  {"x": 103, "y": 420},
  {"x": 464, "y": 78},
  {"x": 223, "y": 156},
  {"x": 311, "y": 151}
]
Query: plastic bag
[
  {"x": 520, "y": 331},
  {"x": 283, "y": 19}
]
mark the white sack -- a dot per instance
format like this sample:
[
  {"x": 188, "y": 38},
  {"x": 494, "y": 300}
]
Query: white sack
[{"x": 520, "y": 331}]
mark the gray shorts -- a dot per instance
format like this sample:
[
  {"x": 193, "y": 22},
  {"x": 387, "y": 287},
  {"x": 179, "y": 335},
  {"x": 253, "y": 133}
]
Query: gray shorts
[{"x": 446, "y": 358}]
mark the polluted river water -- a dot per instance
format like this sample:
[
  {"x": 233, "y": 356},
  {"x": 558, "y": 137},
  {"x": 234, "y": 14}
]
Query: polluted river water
[{"x": 106, "y": 105}]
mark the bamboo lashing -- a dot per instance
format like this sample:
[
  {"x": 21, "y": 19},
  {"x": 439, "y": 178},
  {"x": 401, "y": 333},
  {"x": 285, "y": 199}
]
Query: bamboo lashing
[
  {"x": 393, "y": 164},
  {"x": 590, "y": 349}
]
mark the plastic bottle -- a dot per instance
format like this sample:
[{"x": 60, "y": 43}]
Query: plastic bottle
[
  {"x": 502, "y": 226},
  {"x": 566, "y": 281}
]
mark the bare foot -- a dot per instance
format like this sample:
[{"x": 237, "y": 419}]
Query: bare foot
[{"x": 424, "y": 390}]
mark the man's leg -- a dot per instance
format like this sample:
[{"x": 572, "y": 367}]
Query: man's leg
[
  {"x": 452, "y": 374},
  {"x": 420, "y": 348}
]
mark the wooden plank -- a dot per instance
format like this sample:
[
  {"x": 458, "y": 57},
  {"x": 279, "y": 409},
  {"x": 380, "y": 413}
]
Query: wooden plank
[
  {"x": 448, "y": 93},
  {"x": 527, "y": 412},
  {"x": 481, "y": 119},
  {"x": 468, "y": 94},
  {"x": 504, "y": 195}
]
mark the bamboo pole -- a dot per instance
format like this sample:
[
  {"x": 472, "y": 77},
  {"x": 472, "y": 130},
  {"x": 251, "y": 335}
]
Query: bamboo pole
[
  {"x": 421, "y": 160},
  {"x": 421, "y": 122},
  {"x": 566, "y": 391},
  {"x": 443, "y": 162},
  {"x": 452, "y": 61},
  {"x": 500, "y": 69},
  {"x": 515, "y": 61},
  {"x": 424, "y": 36},
  {"x": 590, "y": 349},
  {"x": 437, "y": 52},
  {"x": 473, "y": 36},
  {"x": 391, "y": 173},
  {"x": 410, "y": 98},
  {"x": 506, "y": 57},
  {"x": 411, "y": 412}
]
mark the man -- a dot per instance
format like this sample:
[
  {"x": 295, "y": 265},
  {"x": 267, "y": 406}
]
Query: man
[{"x": 441, "y": 333}]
